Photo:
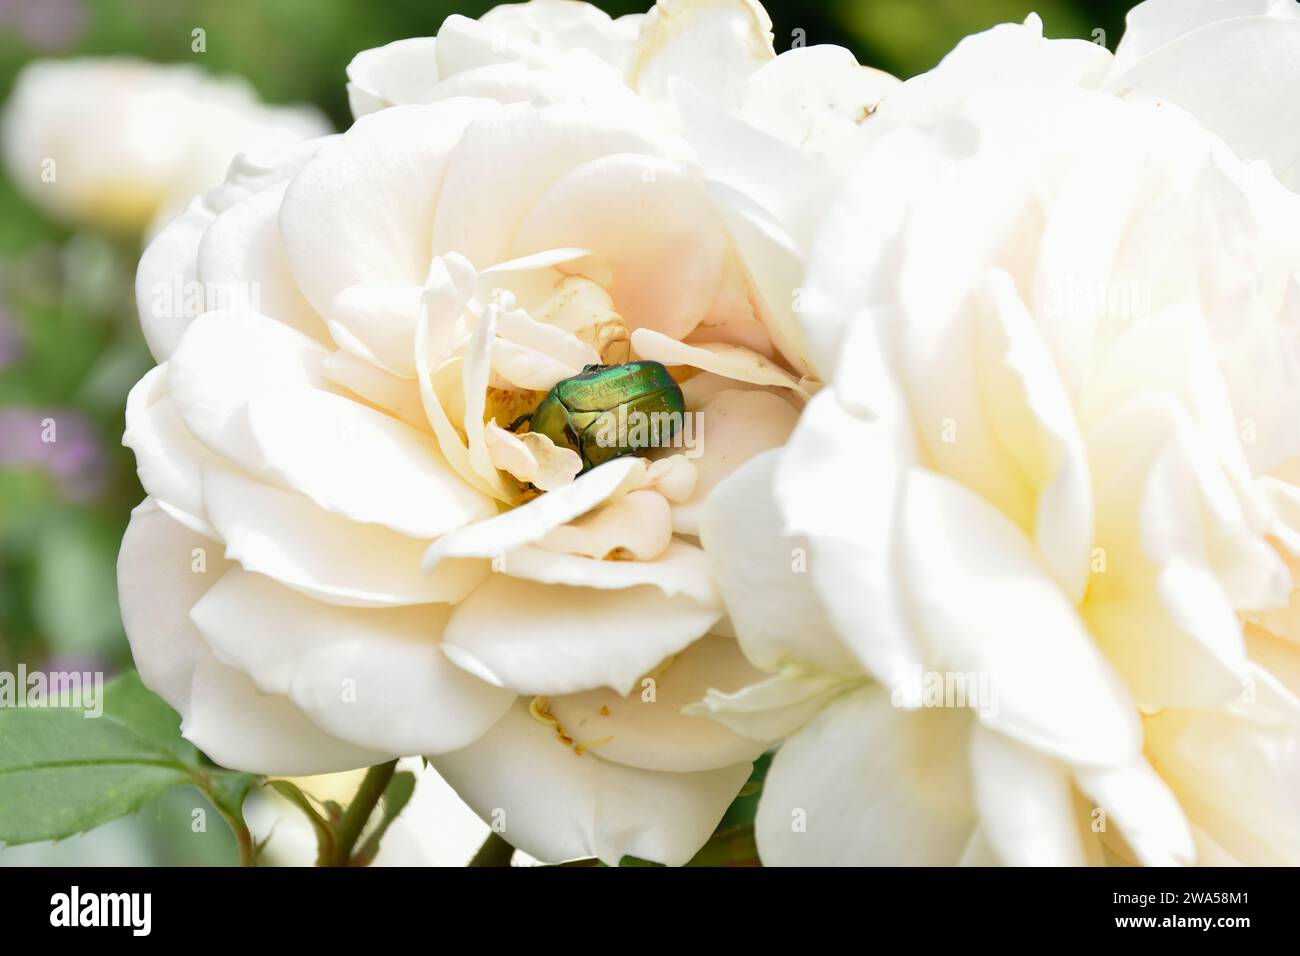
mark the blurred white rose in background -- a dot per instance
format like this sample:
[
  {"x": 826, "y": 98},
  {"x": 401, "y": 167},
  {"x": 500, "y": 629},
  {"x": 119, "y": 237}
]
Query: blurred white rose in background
[
  {"x": 124, "y": 144},
  {"x": 1057, "y": 455}
]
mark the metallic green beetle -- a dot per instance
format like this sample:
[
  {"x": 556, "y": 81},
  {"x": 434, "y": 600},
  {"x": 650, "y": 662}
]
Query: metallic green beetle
[{"x": 608, "y": 411}]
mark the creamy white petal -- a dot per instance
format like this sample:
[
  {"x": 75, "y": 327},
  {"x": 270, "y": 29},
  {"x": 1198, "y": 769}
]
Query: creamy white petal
[
  {"x": 1235, "y": 772},
  {"x": 398, "y": 397},
  {"x": 554, "y": 639},
  {"x": 162, "y": 569},
  {"x": 590, "y": 206},
  {"x": 734, "y": 426},
  {"x": 257, "y": 170},
  {"x": 284, "y": 536},
  {"x": 377, "y": 322},
  {"x": 404, "y": 71},
  {"x": 715, "y": 45},
  {"x": 1158, "y": 610},
  {"x": 1025, "y": 803},
  {"x": 853, "y": 257},
  {"x": 910, "y": 803},
  {"x": 814, "y": 97},
  {"x": 431, "y": 374},
  {"x": 225, "y": 360},
  {"x": 762, "y": 573},
  {"x": 166, "y": 281},
  {"x": 561, "y": 25},
  {"x": 531, "y": 522},
  {"x": 1032, "y": 416},
  {"x": 1016, "y": 54},
  {"x": 532, "y": 457},
  {"x": 1153, "y": 23},
  {"x": 1144, "y": 810},
  {"x": 656, "y": 731},
  {"x": 476, "y": 374},
  {"x": 548, "y": 340},
  {"x": 986, "y": 606},
  {"x": 839, "y": 484},
  {"x": 361, "y": 211},
  {"x": 505, "y": 162},
  {"x": 1236, "y": 77},
  {"x": 728, "y": 361},
  {"x": 168, "y": 459},
  {"x": 681, "y": 569},
  {"x": 243, "y": 729},
  {"x": 556, "y": 806},
  {"x": 777, "y": 707},
  {"x": 674, "y": 477},
  {"x": 639, "y": 523},
  {"x": 360, "y": 464},
  {"x": 243, "y": 267},
  {"x": 375, "y": 678}
]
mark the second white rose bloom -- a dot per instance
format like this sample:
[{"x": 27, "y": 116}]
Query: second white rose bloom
[
  {"x": 1025, "y": 580},
  {"x": 124, "y": 144}
]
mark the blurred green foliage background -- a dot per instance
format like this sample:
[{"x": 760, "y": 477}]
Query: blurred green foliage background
[{"x": 69, "y": 345}]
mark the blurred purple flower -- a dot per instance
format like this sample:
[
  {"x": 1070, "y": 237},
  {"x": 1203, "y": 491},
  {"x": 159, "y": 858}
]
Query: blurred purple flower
[
  {"x": 74, "y": 457},
  {"x": 46, "y": 25}
]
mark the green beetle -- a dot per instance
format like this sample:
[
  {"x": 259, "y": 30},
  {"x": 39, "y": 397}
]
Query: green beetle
[{"x": 608, "y": 411}]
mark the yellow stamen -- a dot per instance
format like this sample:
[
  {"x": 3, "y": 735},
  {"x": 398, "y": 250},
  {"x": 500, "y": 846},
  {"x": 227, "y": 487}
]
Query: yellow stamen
[
  {"x": 540, "y": 708},
  {"x": 528, "y": 494},
  {"x": 581, "y": 749}
]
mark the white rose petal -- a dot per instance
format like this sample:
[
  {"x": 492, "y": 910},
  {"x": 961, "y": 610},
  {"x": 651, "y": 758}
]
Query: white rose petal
[
  {"x": 557, "y": 807},
  {"x": 343, "y": 667},
  {"x": 540, "y": 639}
]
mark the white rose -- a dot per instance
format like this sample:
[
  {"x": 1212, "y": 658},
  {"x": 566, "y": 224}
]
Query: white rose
[
  {"x": 1056, "y": 469},
  {"x": 391, "y": 299},
  {"x": 125, "y": 144}
]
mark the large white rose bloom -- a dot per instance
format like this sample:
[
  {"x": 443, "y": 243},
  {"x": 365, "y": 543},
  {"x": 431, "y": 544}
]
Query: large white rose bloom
[
  {"x": 341, "y": 559},
  {"x": 1056, "y": 469},
  {"x": 125, "y": 144}
]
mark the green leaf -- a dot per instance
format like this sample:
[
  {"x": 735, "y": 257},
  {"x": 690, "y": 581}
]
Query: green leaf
[
  {"x": 733, "y": 846},
  {"x": 495, "y": 851},
  {"x": 62, "y": 772},
  {"x": 227, "y": 789}
]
